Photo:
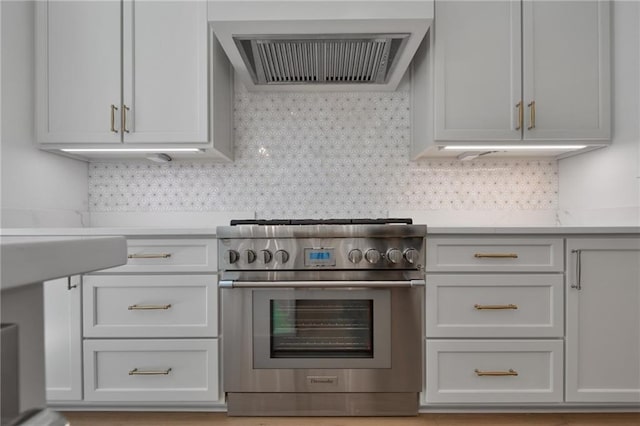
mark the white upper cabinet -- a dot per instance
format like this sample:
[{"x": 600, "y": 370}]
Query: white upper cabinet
[
  {"x": 566, "y": 70},
  {"x": 478, "y": 76},
  {"x": 130, "y": 73},
  {"x": 514, "y": 73},
  {"x": 78, "y": 71},
  {"x": 165, "y": 71}
]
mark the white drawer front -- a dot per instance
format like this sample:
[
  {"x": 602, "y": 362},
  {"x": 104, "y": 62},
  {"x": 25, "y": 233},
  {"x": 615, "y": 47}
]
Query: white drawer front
[
  {"x": 169, "y": 255},
  {"x": 489, "y": 305},
  {"x": 485, "y": 371},
  {"x": 495, "y": 254},
  {"x": 151, "y": 370},
  {"x": 150, "y": 306}
]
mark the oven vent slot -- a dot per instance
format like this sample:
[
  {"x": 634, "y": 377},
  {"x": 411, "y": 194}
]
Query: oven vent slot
[{"x": 318, "y": 59}]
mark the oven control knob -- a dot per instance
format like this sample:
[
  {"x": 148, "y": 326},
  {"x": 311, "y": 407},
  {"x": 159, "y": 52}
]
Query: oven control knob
[
  {"x": 231, "y": 256},
  {"x": 372, "y": 256},
  {"x": 355, "y": 256},
  {"x": 282, "y": 256},
  {"x": 265, "y": 256},
  {"x": 412, "y": 255},
  {"x": 394, "y": 255},
  {"x": 250, "y": 256}
]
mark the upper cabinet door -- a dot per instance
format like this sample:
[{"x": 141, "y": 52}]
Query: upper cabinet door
[
  {"x": 566, "y": 70},
  {"x": 78, "y": 71},
  {"x": 477, "y": 70},
  {"x": 165, "y": 71}
]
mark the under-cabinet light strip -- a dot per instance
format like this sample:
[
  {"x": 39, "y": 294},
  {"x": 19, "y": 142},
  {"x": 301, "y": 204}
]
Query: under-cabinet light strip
[
  {"x": 131, "y": 150},
  {"x": 510, "y": 147}
]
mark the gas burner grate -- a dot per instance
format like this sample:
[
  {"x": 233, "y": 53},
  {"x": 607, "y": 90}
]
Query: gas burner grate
[{"x": 379, "y": 221}]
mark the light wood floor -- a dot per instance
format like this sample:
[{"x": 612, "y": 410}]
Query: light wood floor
[{"x": 215, "y": 419}]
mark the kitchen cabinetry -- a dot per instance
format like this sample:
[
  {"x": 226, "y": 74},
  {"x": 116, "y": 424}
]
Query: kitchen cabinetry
[
  {"x": 150, "y": 327},
  {"x": 476, "y": 323},
  {"x": 603, "y": 320},
  {"x": 151, "y": 370},
  {"x": 508, "y": 73},
  {"x": 63, "y": 339},
  {"x": 140, "y": 306},
  {"x": 144, "y": 334},
  {"x": 129, "y": 74}
]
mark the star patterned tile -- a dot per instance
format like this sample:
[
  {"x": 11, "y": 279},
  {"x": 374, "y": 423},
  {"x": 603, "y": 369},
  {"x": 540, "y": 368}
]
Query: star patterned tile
[{"x": 323, "y": 155}]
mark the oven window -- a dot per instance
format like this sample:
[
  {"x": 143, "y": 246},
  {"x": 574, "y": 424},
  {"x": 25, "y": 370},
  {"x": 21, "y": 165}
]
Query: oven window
[{"x": 316, "y": 328}]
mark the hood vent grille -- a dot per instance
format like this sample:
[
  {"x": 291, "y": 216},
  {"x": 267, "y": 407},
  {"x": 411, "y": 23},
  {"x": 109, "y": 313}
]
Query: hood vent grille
[{"x": 320, "y": 59}]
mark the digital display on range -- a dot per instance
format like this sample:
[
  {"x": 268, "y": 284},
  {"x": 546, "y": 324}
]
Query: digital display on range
[{"x": 319, "y": 257}]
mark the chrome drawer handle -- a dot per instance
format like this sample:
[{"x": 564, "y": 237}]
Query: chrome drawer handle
[
  {"x": 149, "y": 256},
  {"x": 136, "y": 372},
  {"x": 509, "y": 372},
  {"x": 495, "y": 307},
  {"x": 148, "y": 307},
  {"x": 496, "y": 255}
]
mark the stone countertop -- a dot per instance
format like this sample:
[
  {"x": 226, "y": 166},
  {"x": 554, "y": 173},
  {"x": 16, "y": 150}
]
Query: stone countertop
[
  {"x": 32, "y": 259},
  {"x": 537, "y": 230},
  {"x": 95, "y": 231},
  {"x": 211, "y": 231}
]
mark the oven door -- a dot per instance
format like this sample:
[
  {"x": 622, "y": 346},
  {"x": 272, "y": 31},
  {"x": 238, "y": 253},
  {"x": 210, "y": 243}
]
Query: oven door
[
  {"x": 322, "y": 339},
  {"x": 321, "y": 328}
]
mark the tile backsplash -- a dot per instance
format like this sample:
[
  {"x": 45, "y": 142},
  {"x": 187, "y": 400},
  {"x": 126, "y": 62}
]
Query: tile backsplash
[{"x": 324, "y": 155}]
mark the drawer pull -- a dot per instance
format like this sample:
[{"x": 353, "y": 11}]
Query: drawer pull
[
  {"x": 496, "y": 255},
  {"x": 495, "y": 307},
  {"x": 150, "y": 256},
  {"x": 148, "y": 307},
  {"x": 136, "y": 372},
  {"x": 509, "y": 372}
]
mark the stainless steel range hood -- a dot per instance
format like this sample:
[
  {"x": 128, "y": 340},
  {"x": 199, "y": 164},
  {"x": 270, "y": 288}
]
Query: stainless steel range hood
[{"x": 320, "y": 45}]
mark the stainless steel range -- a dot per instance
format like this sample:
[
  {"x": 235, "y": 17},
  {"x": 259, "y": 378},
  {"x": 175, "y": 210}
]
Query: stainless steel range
[{"x": 322, "y": 317}]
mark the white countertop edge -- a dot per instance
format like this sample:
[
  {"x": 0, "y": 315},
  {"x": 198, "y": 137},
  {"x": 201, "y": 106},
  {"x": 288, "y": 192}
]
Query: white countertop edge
[
  {"x": 32, "y": 259},
  {"x": 96, "y": 231},
  {"x": 554, "y": 230},
  {"x": 211, "y": 232}
]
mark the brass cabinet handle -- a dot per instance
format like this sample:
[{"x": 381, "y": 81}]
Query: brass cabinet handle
[
  {"x": 148, "y": 307},
  {"x": 509, "y": 372},
  {"x": 532, "y": 115},
  {"x": 520, "y": 107},
  {"x": 149, "y": 256},
  {"x": 124, "y": 118},
  {"x": 136, "y": 372},
  {"x": 496, "y": 255},
  {"x": 113, "y": 118},
  {"x": 578, "y": 277},
  {"x": 495, "y": 307}
]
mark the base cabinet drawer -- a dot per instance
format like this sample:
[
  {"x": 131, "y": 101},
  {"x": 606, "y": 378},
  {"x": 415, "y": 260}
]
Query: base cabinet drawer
[
  {"x": 151, "y": 370},
  {"x": 495, "y": 254},
  {"x": 494, "y": 371},
  {"x": 150, "y": 306},
  {"x": 169, "y": 255},
  {"x": 494, "y": 306}
]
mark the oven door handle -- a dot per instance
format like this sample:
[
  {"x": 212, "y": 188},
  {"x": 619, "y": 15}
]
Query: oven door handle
[{"x": 320, "y": 284}]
